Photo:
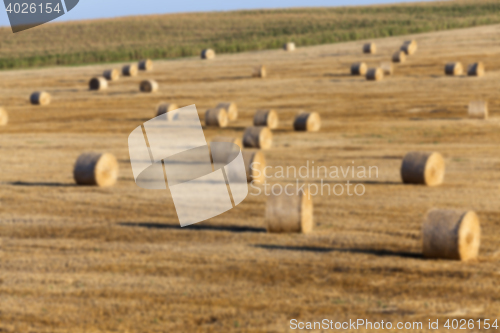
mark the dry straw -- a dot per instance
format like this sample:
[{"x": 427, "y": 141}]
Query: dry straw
[
  {"x": 230, "y": 139},
  {"x": 425, "y": 168},
  {"x": 207, "y": 54},
  {"x": 451, "y": 234},
  {"x": 96, "y": 169},
  {"x": 111, "y": 74},
  {"x": 4, "y": 117},
  {"x": 259, "y": 71},
  {"x": 231, "y": 109},
  {"x": 309, "y": 122},
  {"x": 409, "y": 47},
  {"x": 40, "y": 98},
  {"x": 387, "y": 68},
  {"x": 478, "y": 109},
  {"x": 399, "y": 56},
  {"x": 145, "y": 65},
  {"x": 476, "y": 69},
  {"x": 268, "y": 118},
  {"x": 255, "y": 166},
  {"x": 375, "y": 74},
  {"x": 129, "y": 70},
  {"x": 359, "y": 68},
  {"x": 370, "y": 48},
  {"x": 258, "y": 137},
  {"x": 216, "y": 117},
  {"x": 453, "y": 68},
  {"x": 290, "y": 46},
  {"x": 165, "y": 107},
  {"x": 98, "y": 83},
  {"x": 148, "y": 86},
  {"x": 289, "y": 213}
]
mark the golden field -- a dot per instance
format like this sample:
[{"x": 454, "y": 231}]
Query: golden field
[{"x": 84, "y": 259}]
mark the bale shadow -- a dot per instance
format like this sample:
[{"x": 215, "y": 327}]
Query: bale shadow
[
  {"x": 366, "y": 182},
  {"x": 234, "y": 77},
  {"x": 197, "y": 227},
  {"x": 338, "y": 75},
  {"x": 42, "y": 184},
  {"x": 382, "y": 253}
]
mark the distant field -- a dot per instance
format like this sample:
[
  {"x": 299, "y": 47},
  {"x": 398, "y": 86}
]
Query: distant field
[{"x": 181, "y": 35}]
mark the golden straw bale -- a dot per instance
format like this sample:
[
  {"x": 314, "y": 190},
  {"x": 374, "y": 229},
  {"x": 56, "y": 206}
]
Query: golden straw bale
[
  {"x": 40, "y": 98},
  {"x": 236, "y": 141},
  {"x": 375, "y": 74},
  {"x": 289, "y": 213},
  {"x": 290, "y": 46},
  {"x": 359, "y": 68},
  {"x": 129, "y": 70},
  {"x": 451, "y": 234},
  {"x": 476, "y": 69},
  {"x": 145, "y": 65},
  {"x": 409, "y": 47},
  {"x": 255, "y": 166},
  {"x": 208, "y": 54},
  {"x": 216, "y": 117},
  {"x": 387, "y": 68},
  {"x": 231, "y": 109},
  {"x": 427, "y": 168},
  {"x": 96, "y": 169},
  {"x": 259, "y": 71},
  {"x": 453, "y": 68},
  {"x": 98, "y": 83},
  {"x": 399, "y": 56},
  {"x": 258, "y": 137},
  {"x": 4, "y": 117},
  {"x": 370, "y": 48},
  {"x": 267, "y": 118},
  {"x": 165, "y": 107},
  {"x": 148, "y": 86},
  {"x": 111, "y": 74},
  {"x": 478, "y": 109},
  {"x": 308, "y": 122}
]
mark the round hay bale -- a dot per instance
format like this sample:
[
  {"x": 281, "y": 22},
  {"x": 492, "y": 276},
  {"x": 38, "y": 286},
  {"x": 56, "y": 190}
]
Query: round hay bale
[
  {"x": 165, "y": 107},
  {"x": 289, "y": 213},
  {"x": 255, "y": 166},
  {"x": 375, "y": 74},
  {"x": 40, "y": 98},
  {"x": 129, "y": 70},
  {"x": 370, "y": 48},
  {"x": 259, "y": 72},
  {"x": 476, "y": 69},
  {"x": 231, "y": 109},
  {"x": 427, "y": 168},
  {"x": 216, "y": 117},
  {"x": 98, "y": 83},
  {"x": 309, "y": 122},
  {"x": 453, "y": 68},
  {"x": 409, "y": 47},
  {"x": 290, "y": 46},
  {"x": 96, "y": 169},
  {"x": 4, "y": 117},
  {"x": 268, "y": 118},
  {"x": 478, "y": 109},
  {"x": 207, "y": 54},
  {"x": 387, "y": 68},
  {"x": 359, "y": 68},
  {"x": 145, "y": 65},
  {"x": 399, "y": 56},
  {"x": 148, "y": 86},
  {"x": 111, "y": 74},
  {"x": 258, "y": 137},
  {"x": 451, "y": 234}
]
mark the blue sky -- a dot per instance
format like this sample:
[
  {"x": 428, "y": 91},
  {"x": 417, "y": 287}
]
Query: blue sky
[{"x": 89, "y": 9}]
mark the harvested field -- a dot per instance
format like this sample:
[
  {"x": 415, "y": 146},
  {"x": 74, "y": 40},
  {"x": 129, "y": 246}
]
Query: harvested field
[{"x": 86, "y": 259}]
